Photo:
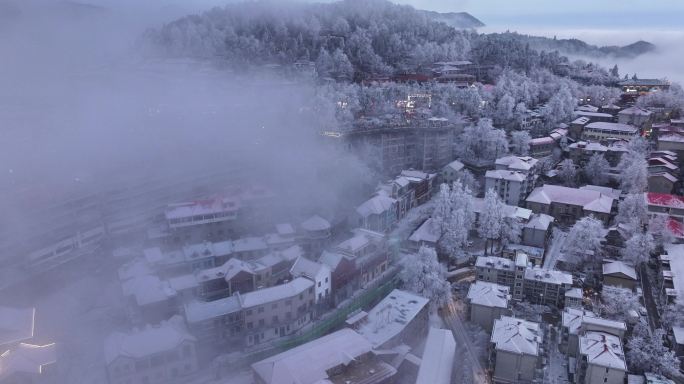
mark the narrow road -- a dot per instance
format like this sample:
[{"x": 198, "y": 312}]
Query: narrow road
[
  {"x": 554, "y": 251},
  {"x": 649, "y": 303},
  {"x": 452, "y": 318}
]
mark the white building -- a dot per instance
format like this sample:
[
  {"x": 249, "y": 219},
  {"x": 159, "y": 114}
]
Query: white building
[
  {"x": 602, "y": 130},
  {"x": 318, "y": 273},
  {"x": 156, "y": 354},
  {"x": 515, "y": 350},
  {"x": 524, "y": 164},
  {"x": 576, "y": 321},
  {"x": 452, "y": 172},
  {"x": 329, "y": 359},
  {"x": 602, "y": 359},
  {"x": 488, "y": 302},
  {"x": 398, "y": 316},
  {"x": 511, "y": 186},
  {"x": 438, "y": 359},
  {"x": 574, "y": 298},
  {"x": 568, "y": 205}
]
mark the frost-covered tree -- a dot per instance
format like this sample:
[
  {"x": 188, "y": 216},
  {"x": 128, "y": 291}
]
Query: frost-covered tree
[
  {"x": 482, "y": 142},
  {"x": 511, "y": 231},
  {"x": 462, "y": 199},
  {"x": 633, "y": 173},
  {"x": 424, "y": 275},
  {"x": 673, "y": 315},
  {"x": 567, "y": 172},
  {"x": 561, "y": 106},
  {"x": 633, "y": 213},
  {"x": 638, "y": 145},
  {"x": 648, "y": 353},
  {"x": 443, "y": 205},
  {"x": 638, "y": 248},
  {"x": 583, "y": 242},
  {"x": 659, "y": 228},
  {"x": 520, "y": 143},
  {"x": 672, "y": 99},
  {"x": 616, "y": 302},
  {"x": 491, "y": 219},
  {"x": 455, "y": 236},
  {"x": 468, "y": 180},
  {"x": 503, "y": 115},
  {"x": 596, "y": 169}
]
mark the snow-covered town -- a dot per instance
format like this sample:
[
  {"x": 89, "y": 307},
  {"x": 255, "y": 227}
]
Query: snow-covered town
[{"x": 350, "y": 192}]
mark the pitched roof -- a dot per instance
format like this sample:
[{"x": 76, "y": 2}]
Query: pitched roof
[
  {"x": 489, "y": 294},
  {"x": 148, "y": 341},
  {"x": 516, "y": 335},
  {"x": 391, "y": 316},
  {"x": 614, "y": 127},
  {"x": 315, "y": 223},
  {"x": 540, "y": 221},
  {"x": 603, "y": 349},
  {"x": 438, "y": 359},
  {"x": 635, "y": 111},
  {"x": 376, "y": 205},
  {"x": 275, "y": 293},
  {"x": 665, "y": 200},
  {"x": 503, "y": 174},
  {"x": 306, "y": 267},
  {"x": 590, "y": 200},
  {"x": 618, "y": 267},
  {"x": 455, "y": 165},
  {"x": 517, "y": 163},
  {"x": 309, "y": 363}
]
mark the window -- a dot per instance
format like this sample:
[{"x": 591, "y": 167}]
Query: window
[
  {"x": 319, "y": 284},
  {"x": 249, "y": 325},
  {"x": 274, "y": 306},
  {"x": 187, "y": 351},
  {"x": 261, "y": 322},
  {"x": 249, "y": 312},
  {"x": 261, "y": 310},
  {"x": 275, "y": 319}
]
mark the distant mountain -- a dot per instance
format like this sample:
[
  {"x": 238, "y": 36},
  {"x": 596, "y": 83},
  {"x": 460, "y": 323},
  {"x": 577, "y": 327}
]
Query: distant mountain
[
  {"x": 576, "y": 47},
  {"x": 460, "y": 20}
]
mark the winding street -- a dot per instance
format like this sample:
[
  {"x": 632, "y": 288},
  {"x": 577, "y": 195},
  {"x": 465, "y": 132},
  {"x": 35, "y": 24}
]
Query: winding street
[{"x": 452, "y": 317}]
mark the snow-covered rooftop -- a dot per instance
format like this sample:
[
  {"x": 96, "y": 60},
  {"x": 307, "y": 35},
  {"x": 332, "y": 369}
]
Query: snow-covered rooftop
[
  {"x": 489, "y": 294},
  {"x": 307, "y": 268},
  {"x": 426, "y": 232},
  {"x": 517, "y": 163},
  {"x": 438, "y": 359},
  {"x": 635, "y": 111},
  {"x": 285, "y": 229},
  {"x": 550, "y": 276},
  {"x": 502, "y": 174},
  {"x": 540, "y": 221},
  {"x": 653, "y": 378},
  {"x": 612, "y": 127},
  {"x": 678, "y": 334},
  {"x": 390, "y": 316},
  {"x": 587, "y": 108},
  {"x": 331, "y": 259},
  {"x": 315, "y": 223},
  {"x": 309, "y": 363},
  {"x": 249, "y": 244},
  {"x": 376, "y": 205},
  {"x": 148, "y": 289},
  {"x": 198, "y": 311},
  {"x": 542, "y": 140},
  {"x": 416, "y": 176},
  {"x": 603, "y": 349},
  {"x": 673, "y": 137},
  {"x": 618, "y": 267},
  {"x": 26, "y": 359},
  {"x": 581, "y": 120},
  {"x": 360, "y": 240},
  {"x": 275, "y": 293},
  {"x": 16, "y": 324},
  {"x": 455, "y": 166},
  {"x": 665, "y": 175},
  {"x": 510, "y": 210},
  {"x": 614, "y": 193},
  {"x": 590, "y": 200},
  {"x": 571, "y": 319},
  {"x": 494, "y": 262},
  {"x": 593, "y": 114},
  {"x": 148, "y": 341},
  {"x": 516, "y": 335}
]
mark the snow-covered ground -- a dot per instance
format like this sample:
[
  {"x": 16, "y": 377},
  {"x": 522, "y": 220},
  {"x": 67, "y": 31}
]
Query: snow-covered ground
[{"x": 555, "y": 250}]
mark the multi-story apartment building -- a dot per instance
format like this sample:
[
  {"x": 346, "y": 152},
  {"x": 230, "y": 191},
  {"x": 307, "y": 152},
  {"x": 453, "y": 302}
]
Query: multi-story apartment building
[
  {"x": 157, "y": 354},
  {"x": 451, "y": 172},
  {"x": 255, "y": 317},
  {"x": 319, "y": 273},
  {"x": 580, "y": 152},
  {"x": 601, "y": 359},
  {"x": 378, "y": 213},
  {"x": 511, "y": 186},
  {"x": 576, "y": 321},
  {"x": 488, "y": 302},
  {"x": 527, "y": 282},
  {"x": 598, "y": 131},
  {"x": 568, "y": 205},
  {"x": 515, "y": 350}
]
